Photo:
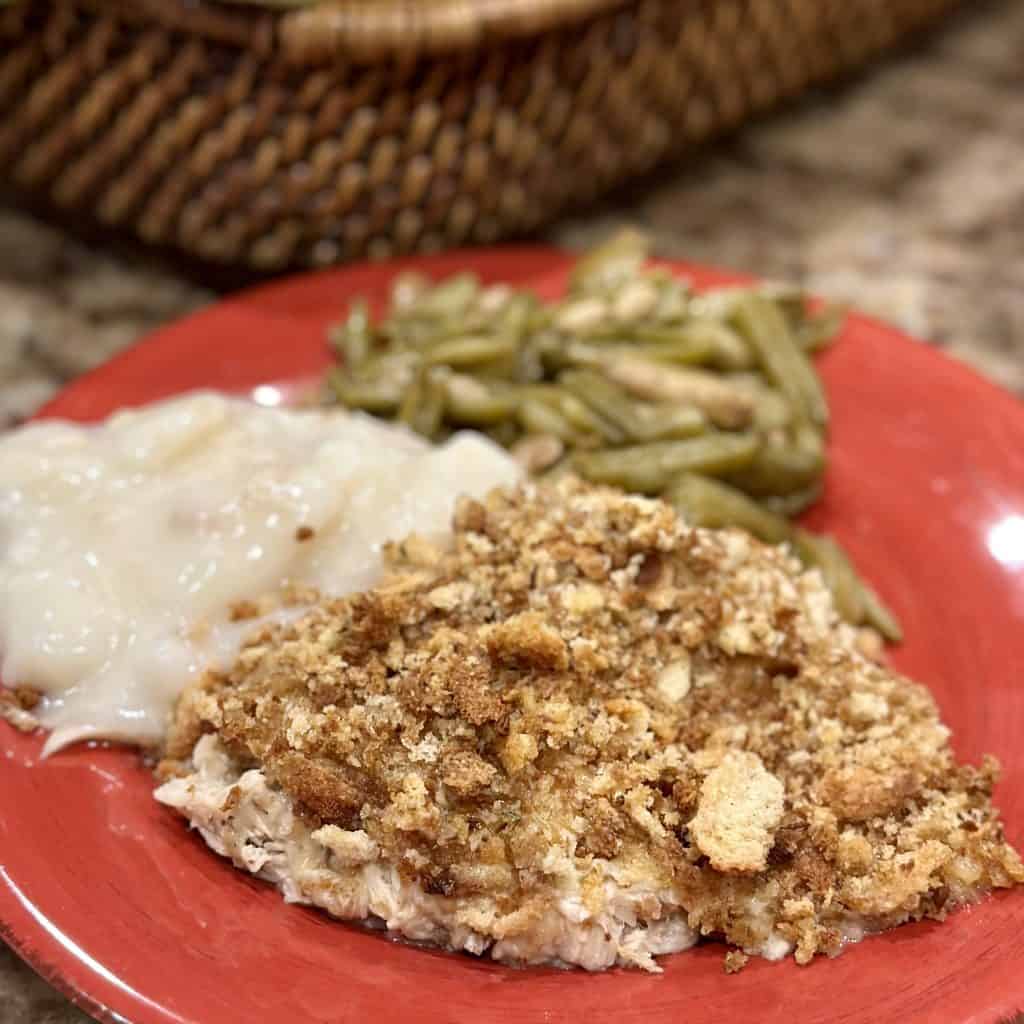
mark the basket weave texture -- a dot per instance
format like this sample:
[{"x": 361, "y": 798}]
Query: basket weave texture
[{"x": 304, "y": 137}]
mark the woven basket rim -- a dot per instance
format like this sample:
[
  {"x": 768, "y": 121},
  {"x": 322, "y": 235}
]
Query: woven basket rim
[{"x": 322, "y": 31}]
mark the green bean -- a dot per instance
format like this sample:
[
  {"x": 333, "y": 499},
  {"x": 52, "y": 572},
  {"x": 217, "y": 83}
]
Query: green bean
[
  {"x": 877, "y": 615},
  {"x": 398, "y": 364},
  {"x": 505, "y": 433},
  {"x": 353, "y": 339},
  {"x": 422, "y": 405},
  {"x": 731, "y": 352},
  {"x": 849, "y": 593},
  {"x": 540, "y": 417},
  {"x": 590, "y": 430},
  {"x": 559, "y": 356},
  {"x": 651, "y": 467},
  {"x": 791, "y": 505},
  {"x": 819, "y": 329},
  {"x": 711, "y": 503},
  {"x": 413, "y": 333},
  {"x": 673, "y": 301},
  {"x": 709, "y": 341},
  {"x": 604, "y": 398},
  {"x": 635, "y": 300},
  {"x": 557, "y": 470},
  {"x": 721, "y": 303},
  {"x": 541, "y": 318},
  {"x": 825, "y": 555},
  {"x": 618, "y": 259},
  {"x": 529, "y": 365},
  {"x": 585, "y": 419},
  {"x": 724, "y": 403},
  {"x": 380, "y": 397},
  {"x": 781, "y": 359},
  {"x": 790, "y": 301},
  {"x": 771, "y": 411},
  {"x": 660, "y": 345},
  {"x": 494, "y": 298},
  {"x": 855, "y": 601},
  {"x": 469, "y": 351},
  {"x": 406, "y": 289},
  {"x": 377, "y": 385},
  {"x": 471, "y": 402},
  {"x": 581, "y": 317},
  {"x": 685, "y": 351},
  {"x": 514, "y": 318},
  {"x": 639, "y": 422},
  {"x": 451, "y": 298},
  {"x": 778, "y": 469}
]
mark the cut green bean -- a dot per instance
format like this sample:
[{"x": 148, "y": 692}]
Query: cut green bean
[
  {"x": 791, "y": 505},
  {"x": 771, "y": 411},
  {"x": 714, "y": 504},
  {"x": 855, "y": 601},
  {"x": 635, "y": 300},
  {"x": 472, "y": 351},
  {"x": 582, "y": 317},
  {"x": 471, "y": 402},
  {"x": 639, "y": 422},
  {"x": 616, "y": 260},
  {"x": 650, "y": 468},
  {"x": 823, "y": 554},
  {"x": 353, "y": 339},
  {"x": 819, "y": 329},
  {"x": 725, "y": 404},
  {"x": 684, "y": 351},
  {"x": 673, "y": 301},
  {"x": 780, "y": 357},
  {"x": 451, "y": 298},
  {"x": 407, "y": 290},
  {"x": 506, "y": 433},
  {"x": 422, "y": 406},
  {"x": 586, "y": 420},
  {"x": 779, "y": 469},
  {"x": 514, "y": 317},
  {"x": 709, "y": 341},
  {"x": 540, "y": 417},
  {"x": 878, "y": 616}
]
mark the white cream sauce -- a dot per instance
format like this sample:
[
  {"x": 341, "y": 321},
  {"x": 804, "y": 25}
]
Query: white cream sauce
[{"x": 123, "y": 545}]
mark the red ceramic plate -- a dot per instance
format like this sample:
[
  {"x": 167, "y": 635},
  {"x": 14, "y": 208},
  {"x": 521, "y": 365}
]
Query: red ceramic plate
[{"x": 109, "y": 897}]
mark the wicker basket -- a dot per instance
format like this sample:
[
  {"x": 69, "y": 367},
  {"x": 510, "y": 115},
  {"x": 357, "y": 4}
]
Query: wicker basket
[{"x": 333, "y": 131}]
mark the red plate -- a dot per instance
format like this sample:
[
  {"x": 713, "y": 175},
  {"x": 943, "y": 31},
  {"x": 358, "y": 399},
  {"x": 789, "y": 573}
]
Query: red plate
[{"x": 107, "y": 895}]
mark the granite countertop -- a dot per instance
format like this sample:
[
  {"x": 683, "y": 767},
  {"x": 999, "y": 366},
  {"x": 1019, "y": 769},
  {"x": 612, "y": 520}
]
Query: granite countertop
[{"x": 901, "y": 194}]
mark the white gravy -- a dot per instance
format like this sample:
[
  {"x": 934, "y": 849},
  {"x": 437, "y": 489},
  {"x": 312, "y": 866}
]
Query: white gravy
[{"x": 123, "y": 545}]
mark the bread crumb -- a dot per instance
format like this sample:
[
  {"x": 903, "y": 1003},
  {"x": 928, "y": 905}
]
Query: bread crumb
[
  {"x": 735, "y": 960},
  {"x": 352, "y": 848},
  {"x": 674, "y": 680},
  {"x": 740, "y": 807}
]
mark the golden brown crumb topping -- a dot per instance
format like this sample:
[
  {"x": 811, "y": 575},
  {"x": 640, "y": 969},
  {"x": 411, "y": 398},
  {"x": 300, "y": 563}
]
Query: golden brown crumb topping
[
  {"x": 17, "y": 705},
  {"x": 581, "y": 678}
]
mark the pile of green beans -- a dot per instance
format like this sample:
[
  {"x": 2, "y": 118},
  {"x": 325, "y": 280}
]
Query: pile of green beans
[{"x": 709, "y": 400}]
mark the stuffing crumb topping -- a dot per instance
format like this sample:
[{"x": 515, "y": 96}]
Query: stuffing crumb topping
[{"x": 579, "y": 688}]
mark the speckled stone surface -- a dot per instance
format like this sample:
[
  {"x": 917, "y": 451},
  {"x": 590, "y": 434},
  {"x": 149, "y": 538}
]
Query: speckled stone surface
[{"x": 902, "y": 194}]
